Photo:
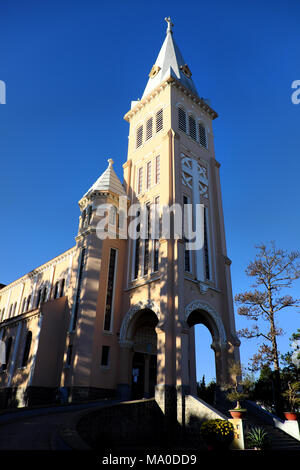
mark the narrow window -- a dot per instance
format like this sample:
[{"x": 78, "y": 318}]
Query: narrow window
[
  {"x": 202, "y": 135},
  {"x": 10, "y": 310},
  {"x": 80, "y": 274},
  {"x": 44, "y": 295},
  {"x": 146, "y": 251},
  {"x": 38, "y": 300},
  {"x": 206, "y": 254},
  {"x": 139, "y": 136},
  {"x": 83, "y": 218},
  {"x": 192, "y": 128},
  {"x": 15, "y": 309},
  {"x": 7, "y": 353},
  {"x": 55, "y": 293},
  {"x": 140, "y": 180},
  {"x": 157, "y": 169},
  {"x": 148, "y": 175},
  {"x": 110, "y": 290},
  {"x": 105, "y": 356},
  {"x": 89, "y": 214},
  {"x": 182, "y": 119},
  {"x": 156, "y": 240},
  {"x": 28, "y": 303},
  {"x": 27, "y": 348},
  {"x": 24, "y": 305},
  {"x": 187, "y": 264},
  {"x": 69, "y": 354},
  {"x": 149, "y": 127},
  {"x": 137, "y": 249},
  {"x": 62, "y": 287},
  {"x": 159, "y": 120}
]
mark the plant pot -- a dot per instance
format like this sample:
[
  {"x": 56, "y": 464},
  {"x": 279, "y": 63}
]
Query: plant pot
[
  {"x": 237, "y": 414},
  {"x": 290, "y": 415}
]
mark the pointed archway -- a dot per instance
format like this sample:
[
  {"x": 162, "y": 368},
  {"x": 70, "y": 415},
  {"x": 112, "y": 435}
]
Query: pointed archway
[
  {"x": 138, "y": 348},
  {"x": 200, "y": 312}
]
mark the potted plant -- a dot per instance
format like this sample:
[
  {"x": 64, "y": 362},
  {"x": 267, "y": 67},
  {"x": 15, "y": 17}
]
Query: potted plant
[
  {"x": 234, "y": 393},
  {"x": 217, "y": 434},
  {"x": 292, "y": 396},
  {"x": 257, "y": 439}
]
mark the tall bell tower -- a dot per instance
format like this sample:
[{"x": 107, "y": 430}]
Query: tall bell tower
[{"x": 171, "y": 286}]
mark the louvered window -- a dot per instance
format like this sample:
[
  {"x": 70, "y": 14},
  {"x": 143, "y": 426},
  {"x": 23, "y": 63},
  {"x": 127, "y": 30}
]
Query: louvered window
[
  {"x": 140, "y": 180},
  {"x": 202, "y": 136},
  {"x": 192, "y": 128},
  {"x": 139, "y": 136},
  {"x": 148, "y": 175},
  {"x": 181, "y": 119},
  {"x": 157, "y": 169},
  {"x": 149, "y": 127},
  {"x": 159, "y": 120}
]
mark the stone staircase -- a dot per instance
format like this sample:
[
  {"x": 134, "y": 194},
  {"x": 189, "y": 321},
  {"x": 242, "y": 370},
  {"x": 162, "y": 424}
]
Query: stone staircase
[{"x": 280, "y": 440}]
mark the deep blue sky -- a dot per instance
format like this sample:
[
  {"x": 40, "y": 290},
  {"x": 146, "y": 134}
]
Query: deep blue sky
[{"x": 71, "y": 69}]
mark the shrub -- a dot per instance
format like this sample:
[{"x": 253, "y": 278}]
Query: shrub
[
  {"x": 217, "y": 433},
  {"x": 257, "y": 438}
]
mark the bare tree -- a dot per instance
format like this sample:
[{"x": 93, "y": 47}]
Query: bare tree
[{"x": 273, "y": 270}]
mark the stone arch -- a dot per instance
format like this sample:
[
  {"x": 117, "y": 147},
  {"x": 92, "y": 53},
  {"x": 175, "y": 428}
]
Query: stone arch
[
  {"x": 211, "y": 319},
  {"x": 132, "y": 312}
]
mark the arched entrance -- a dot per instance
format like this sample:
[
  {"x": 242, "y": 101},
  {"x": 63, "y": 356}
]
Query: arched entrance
[
  {"x": 197, "y": 313},
  {"x": 139, "y": 340},
  {"x": 144, "y": 355}
]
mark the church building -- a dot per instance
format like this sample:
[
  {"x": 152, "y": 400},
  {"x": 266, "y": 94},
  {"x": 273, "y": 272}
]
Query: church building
[{"x": 114, "y": 315}]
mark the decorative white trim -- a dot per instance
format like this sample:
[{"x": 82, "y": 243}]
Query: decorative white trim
[
  {"x": 143, "y": 304},
  {"x": 201, "y": 305}
]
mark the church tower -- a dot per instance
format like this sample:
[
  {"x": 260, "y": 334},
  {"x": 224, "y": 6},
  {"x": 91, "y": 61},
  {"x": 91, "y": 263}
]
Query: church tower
[{"x": 169, "y": 286}]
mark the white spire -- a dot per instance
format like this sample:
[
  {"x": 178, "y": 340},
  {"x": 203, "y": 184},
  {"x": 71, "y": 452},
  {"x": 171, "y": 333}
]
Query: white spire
[
  {"x": 170, "y": 63},
  {"x": 108, "y": 181}
]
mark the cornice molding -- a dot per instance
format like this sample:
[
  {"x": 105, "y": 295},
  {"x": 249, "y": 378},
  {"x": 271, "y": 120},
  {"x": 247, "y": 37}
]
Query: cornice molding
[
  {"x": 40, "y": 269},
  {"x": 173, "y": 82}
]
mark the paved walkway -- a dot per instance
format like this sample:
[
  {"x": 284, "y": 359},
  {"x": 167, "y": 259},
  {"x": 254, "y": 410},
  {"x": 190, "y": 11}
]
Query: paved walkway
[{"x": 37, "y": 429}]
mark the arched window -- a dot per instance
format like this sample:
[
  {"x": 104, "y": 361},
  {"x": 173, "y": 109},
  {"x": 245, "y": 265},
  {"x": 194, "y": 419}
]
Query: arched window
[
  {"x": 182, "y": 119},
  {"x": 15, "y": 309},
  {"x": 27, "y": 349},
  {"x": 24, "y": 305},
  {"x": 7, "y": 352},
  {"x": 28, "y": 303},
  {"x": 192, "y": 128},
  {"x": 55, "y": 292},
  {"x": 89, "y": 214},
  {"x": 83, "y": 218},
  {"x": 202, "y": 135},
  {"x": 38, "y": 300},
  {"x": 10, "y": 310},
  {"x": 62, "y": 287},
  {"x": 44, "y": 295}
]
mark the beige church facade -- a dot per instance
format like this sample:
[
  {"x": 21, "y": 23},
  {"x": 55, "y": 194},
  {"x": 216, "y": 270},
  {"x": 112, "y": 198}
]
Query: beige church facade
[{"x": 115, "y": 315}]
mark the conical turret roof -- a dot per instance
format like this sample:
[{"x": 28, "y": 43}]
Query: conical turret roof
[{"x": 108, "y": 181}]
